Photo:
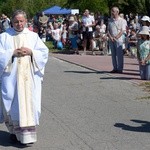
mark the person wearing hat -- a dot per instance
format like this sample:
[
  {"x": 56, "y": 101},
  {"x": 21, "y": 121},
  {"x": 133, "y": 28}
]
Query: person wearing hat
[
  {"x": 145, "y": 21},
  {"x": 73, "y": 33},
  {"x": 144, "y": 53}
]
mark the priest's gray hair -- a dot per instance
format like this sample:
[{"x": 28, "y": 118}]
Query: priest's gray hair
[{"x": 17, "y": 12}]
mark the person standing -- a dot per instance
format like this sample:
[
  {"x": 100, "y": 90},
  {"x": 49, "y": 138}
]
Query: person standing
[
  {"x": 5, "y": 23},
  {"x": 23, "y": 57},
  {"x": 124, "y": 36},
  {"x": 144, "y": 22},
  {"x": 73, "y": 33},
  {"x": 144, "y": 53},
  {"x": 42, "y": 25},
  {"x": 64, "y": 35},
  {"x": 56, "y": 37},
  {"x": 88, "y": 22},
  {"x": 116, "y": 28},
  {"x": 43, "y": 20}
]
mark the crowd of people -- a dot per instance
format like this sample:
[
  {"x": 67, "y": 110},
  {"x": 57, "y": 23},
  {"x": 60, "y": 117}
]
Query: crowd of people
[
  {"x": 73, "y": 31},
  {"x": 69, "y": 26},
  {"x": 117, "y": 35},
  {"x": 23, "y": 56},
  {"x": 45, "y": 25},
  {"x": 129, "y": 37}
]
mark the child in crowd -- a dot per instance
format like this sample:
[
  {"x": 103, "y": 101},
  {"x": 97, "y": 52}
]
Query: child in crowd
[
  {"x": 49, "y": 31},
  {"x": 97, "y": 38},
  {"x": 144, "y": 53},
  {"x": 42, "y": 33},
  {"x": 30, "y": 26},
  {"x": 64, "y": 35},
  {"x": 56, "y": 36},
  {"x": 132, "y": 43}
]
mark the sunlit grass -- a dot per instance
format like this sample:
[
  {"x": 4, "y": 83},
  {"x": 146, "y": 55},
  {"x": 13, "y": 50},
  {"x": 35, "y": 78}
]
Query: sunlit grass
[
  {"x": 51, "y": 48},
  {"x": 146, "y": 86}
]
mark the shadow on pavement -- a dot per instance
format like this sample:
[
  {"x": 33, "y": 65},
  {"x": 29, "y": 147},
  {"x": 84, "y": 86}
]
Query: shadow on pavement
[
  {"x": 132, "y": 64},
  {"x": 119, "y": 78},
  {"x": 129, "y": 76},
  {"x": 131, "y": 70},
  {"x": 144, "y": 126},
  {"x": 4, "y": 138},
  {"x": 130, "y": 73},
  {"x": 5, "y": 141},
  {"x": 86, "y": 72}
]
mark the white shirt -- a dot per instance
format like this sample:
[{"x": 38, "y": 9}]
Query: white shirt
[
  {"x": 56, "y": 34},
  {"x": 103, "y": 28},
  {"x": 115, "y": 26},
  {"x": 88, "y": 20}
]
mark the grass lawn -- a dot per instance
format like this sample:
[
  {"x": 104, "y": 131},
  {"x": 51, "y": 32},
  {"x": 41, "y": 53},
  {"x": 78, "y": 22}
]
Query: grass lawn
[
  {"x": 65, "y": 50},
  {"x": 146, "y": 86}
]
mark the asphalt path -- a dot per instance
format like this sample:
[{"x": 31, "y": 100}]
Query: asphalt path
[{"x": 88, "y": 110}]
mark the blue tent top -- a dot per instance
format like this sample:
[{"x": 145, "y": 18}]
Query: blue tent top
[{"x": 57, "y": 10}]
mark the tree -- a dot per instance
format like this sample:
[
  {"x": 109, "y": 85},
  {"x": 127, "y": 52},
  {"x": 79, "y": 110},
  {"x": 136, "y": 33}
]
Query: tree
[
  {"x": 94, "y": 5},
  {"x": 103, "y": 6},
  {"x": 29, "y": 6}
]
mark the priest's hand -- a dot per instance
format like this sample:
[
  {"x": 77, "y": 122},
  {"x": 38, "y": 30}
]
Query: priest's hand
[
  {"x": 26, "y": 51},
  {"x": 17, "y": 53},
  {"x": 23, "y": 51}
]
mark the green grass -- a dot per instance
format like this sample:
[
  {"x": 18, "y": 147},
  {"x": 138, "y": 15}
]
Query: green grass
[
  {"x": 144, "y": 98},
  {"x": 51, "y": 48},
  {"x": 146, "y": 86}
]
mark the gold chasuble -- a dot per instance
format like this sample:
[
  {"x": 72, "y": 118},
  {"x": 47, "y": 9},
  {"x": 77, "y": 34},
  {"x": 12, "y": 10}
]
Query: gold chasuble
[{"x": 24, "y": 84}]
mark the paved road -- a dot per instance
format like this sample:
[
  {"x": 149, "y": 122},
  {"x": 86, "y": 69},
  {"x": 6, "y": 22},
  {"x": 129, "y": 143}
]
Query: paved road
[
  {"x": 103, "y": 63},
  {"x": 87, "y": 110}
]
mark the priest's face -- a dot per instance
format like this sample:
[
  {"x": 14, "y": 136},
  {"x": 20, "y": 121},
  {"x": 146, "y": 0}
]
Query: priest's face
[{"x": 19, "y": 22}]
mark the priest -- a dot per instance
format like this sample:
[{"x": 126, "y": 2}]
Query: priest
[{"x": 23, "y": 57}]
